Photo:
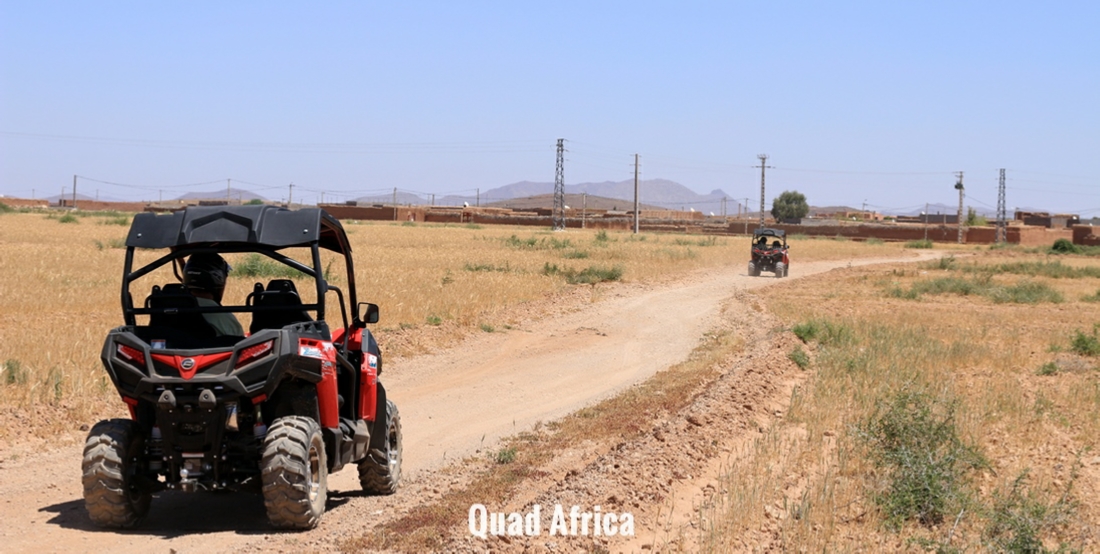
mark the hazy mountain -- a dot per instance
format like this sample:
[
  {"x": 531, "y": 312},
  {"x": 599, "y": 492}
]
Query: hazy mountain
[
  {"x": 947, "y": 209},
  {"x": 653, "y": 192},
  {"x": 220, "y": 194},
  {"x": 402, "y": 198}
]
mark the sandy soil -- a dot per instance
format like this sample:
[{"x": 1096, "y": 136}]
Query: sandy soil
[{"x": 453, "y": 403}]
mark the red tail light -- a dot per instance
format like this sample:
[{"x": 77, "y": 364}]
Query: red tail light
[
  {"x": 131, "y": 354},
  {"x": 254, "y": 352}
]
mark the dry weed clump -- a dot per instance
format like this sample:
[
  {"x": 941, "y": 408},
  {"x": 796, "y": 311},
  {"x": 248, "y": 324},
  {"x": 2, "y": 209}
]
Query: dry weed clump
[{"x": 925, "y": 414}]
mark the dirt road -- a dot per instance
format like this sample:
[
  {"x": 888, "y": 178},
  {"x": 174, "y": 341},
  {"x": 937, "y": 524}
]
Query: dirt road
[{"x": 452, "y": 404}]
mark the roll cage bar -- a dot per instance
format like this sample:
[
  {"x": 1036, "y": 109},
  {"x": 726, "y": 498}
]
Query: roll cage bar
[{"x": 239, "y": 229}]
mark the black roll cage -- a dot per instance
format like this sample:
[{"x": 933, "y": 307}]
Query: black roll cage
[{"x": 177, "y": 227}]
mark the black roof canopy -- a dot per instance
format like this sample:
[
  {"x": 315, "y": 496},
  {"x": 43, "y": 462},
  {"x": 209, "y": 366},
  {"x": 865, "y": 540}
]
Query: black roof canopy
[
  {"x": 270, "y": 226},
  {"x": 767, "y": 232}
]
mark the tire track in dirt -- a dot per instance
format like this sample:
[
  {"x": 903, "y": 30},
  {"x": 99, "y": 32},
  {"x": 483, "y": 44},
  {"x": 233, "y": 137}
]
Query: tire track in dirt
[{"x": 452, "y": 403}]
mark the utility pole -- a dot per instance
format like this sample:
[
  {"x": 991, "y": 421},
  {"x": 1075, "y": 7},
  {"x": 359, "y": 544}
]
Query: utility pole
[
  {"x": 74, "y": 192},
  {"x": 926, "y": 222},
  {"x": 747, "y": 216},
  {"x": 584, "y": 208},
  {"x": 228, "y": 194},
  {"x": 290, "y": 196},
  {"x": 478, "y": 201},
  {"x": 635, "y": 194},
  {"x": 959, "y": 187},
  {"x": 559, "y": 189},
  {"x": 161, "y": 197},
  {"x": 1002, "y": 213},
  {"x": 395, "y": 199},
  {"x": 763, "y": 165}
]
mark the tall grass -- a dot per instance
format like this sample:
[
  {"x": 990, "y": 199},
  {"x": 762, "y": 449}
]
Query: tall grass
[
  {"x": 907, "y": 419},
  {"x": 1023, "y": 292}
]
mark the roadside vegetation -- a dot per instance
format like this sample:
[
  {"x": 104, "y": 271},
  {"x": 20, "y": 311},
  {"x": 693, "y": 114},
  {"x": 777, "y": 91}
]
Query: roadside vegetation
[{"x": 949, "y": 424}]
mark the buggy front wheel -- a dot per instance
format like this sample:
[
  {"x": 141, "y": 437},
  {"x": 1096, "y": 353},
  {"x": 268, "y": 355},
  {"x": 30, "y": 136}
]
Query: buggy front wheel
[{"x": 380, "y": 471}]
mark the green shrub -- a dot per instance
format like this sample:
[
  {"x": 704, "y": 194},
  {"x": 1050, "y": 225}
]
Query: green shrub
[
  {"x": 799, "y": 357},
  {"x": 589, "y": 276},
  {"x": 258, "y": 265},
  {"x": 601, "y": 236},
  {"x": 68, "y": 218},
  {"x": 1064, "y": 246},
  {"x": 6, "y": 209},
  {"x": 487, "y": 328},
  {"x": 592, "y": 275},
  {"x": 576, "y": 255},
  {"x": 487, "y": 267},
  {"x": 515, "y": 242},
  {"x": 434, "y": 320},
  {"x": 14, "y": 373},
  {"x": 874, "y": 241},
  {"x": 824, "y": 332},
  {"x": 505, "y": 455},
  {"x": 1085, "y": 345},
  {"x": 925, "y": 244},
  {"x": 1018, "y": 518},
  {"x": 1049, "y": 368},
  {"x": 912, "y": 439},
  {"x": 1025, "y": 292}
]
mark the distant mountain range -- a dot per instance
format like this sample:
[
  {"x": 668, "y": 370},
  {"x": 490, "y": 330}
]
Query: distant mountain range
[
  {"x": 652, "y": 192},
  {"x": 235, "y": 194}
]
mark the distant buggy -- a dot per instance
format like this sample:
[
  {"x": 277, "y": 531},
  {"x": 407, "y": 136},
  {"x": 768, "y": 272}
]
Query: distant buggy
[
  {"x": 273, "y": 410},
  {"x": 769, "y": 252}
]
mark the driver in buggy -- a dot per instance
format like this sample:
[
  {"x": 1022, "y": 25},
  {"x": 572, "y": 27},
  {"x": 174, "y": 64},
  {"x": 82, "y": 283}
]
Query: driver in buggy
[{"x": 204, "y": 275}]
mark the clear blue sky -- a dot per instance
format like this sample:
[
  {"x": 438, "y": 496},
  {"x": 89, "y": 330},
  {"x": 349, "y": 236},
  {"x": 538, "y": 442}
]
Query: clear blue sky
[{"x": 853, "y": 101}]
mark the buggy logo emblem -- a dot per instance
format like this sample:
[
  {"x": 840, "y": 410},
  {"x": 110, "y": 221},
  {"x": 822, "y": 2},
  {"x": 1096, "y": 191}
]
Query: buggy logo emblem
[{"x": 187, "y": 363}]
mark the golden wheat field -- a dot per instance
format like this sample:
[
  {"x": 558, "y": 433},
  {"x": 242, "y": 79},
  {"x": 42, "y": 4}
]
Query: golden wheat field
[{"x": 60, "y": 285}]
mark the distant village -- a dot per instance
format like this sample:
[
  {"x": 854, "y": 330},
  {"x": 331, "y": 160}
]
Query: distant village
[{"x": 1024, "y": 228}]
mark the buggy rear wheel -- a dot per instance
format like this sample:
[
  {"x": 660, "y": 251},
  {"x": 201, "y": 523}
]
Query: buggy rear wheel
[
  {"x": 112, "y": 494},
  {"x": 780, "y": 270},
  {"x": 295, "y": 473},
  {"x": 753, "y": 271},
  {"x": 380, "y": 471}
]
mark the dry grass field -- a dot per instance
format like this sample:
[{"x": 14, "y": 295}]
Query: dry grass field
[
  {"x": 952, "y": 406},
  {"x": 60, "y": 275}
]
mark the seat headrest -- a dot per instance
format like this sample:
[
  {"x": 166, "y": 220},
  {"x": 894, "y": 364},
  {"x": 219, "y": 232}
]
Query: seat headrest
[{"x": 282, "y": 285}]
